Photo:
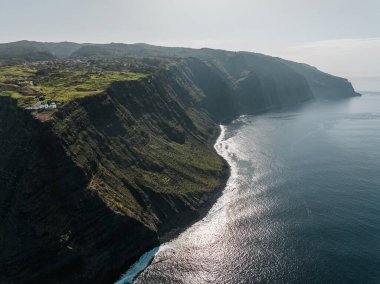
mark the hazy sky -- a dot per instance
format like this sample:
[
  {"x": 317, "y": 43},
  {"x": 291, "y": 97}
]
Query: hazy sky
[{"x": 338, "y": 36}]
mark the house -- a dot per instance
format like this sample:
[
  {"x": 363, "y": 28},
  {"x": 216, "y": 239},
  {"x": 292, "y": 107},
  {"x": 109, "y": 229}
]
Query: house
[
  {"x": 41, "y": 106},
  {"x": 44, "y": 106}
]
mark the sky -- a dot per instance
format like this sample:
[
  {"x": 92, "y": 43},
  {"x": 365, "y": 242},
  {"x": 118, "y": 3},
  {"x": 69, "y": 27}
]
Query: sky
[{"x": 341, "y": 37}]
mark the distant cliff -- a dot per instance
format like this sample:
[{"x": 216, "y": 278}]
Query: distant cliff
[
  {"x": 238, "y": 65},
  {"x": 87, "y": 192},
  {"x": 323, "y": 85}
]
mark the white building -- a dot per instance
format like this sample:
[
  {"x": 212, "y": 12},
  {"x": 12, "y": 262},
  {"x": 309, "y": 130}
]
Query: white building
[{"x": 44, "y": 106}]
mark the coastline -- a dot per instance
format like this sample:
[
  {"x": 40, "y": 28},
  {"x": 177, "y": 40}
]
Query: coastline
[
  {"x": 185, "y": 223},
  {"x": 209, "y": 198},
  {"x": 176, "y": 227},
  {"x": 204, "y": 251}
]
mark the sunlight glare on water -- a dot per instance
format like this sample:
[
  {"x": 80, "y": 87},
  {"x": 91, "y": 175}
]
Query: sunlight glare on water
[{"x": 302, "y": 203}]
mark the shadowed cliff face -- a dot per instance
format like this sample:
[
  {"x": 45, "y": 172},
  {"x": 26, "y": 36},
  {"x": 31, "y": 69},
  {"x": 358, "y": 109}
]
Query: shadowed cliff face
[
  {"x": 89, "y": 191},
  {"x": 52, "y": 227},
  {"x": 84, "y": 194},
  {"x": 237, "y": 85},
  {"x": 142, "y": 152},
  {"x": 323, "y": 85}
]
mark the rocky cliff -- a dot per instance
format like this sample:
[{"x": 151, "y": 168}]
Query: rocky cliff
[{"x": 86, "y": 192}]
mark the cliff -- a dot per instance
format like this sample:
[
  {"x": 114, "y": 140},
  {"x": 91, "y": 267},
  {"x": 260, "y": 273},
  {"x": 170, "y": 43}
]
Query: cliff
[
  {"x": 53, "y": 227},
  {"x": 86, "y": 192},
  {"x": 245, "y": 66},
  {"x": 324, "y": 86},
  {"x": 241, "y": 65}
]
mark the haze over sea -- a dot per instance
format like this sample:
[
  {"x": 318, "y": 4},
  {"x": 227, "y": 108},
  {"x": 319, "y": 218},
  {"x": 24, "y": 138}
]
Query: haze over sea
[{"x": 302, "y": 204}]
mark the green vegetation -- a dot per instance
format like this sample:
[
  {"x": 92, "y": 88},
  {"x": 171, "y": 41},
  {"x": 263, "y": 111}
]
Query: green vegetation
[
  {"x": 172, "y": 168},
  {"x": 58, "y": 81},
  {"x": 67, "y": 85},
  {"x": 144, "y": 148},
  {"x": 201, "y": 164}
]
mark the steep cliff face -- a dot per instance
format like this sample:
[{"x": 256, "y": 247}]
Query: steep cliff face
[
  {"x": 145, "y": 152},
  {"x": 239, "y": 84},
  {"x": 262, "y": 83},
  {"x": 323, "y": 85},
  {"x": 54, "y": 229},
  {"x": 85, "y": 193}
]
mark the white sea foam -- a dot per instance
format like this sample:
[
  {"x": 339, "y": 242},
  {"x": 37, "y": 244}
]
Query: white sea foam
[
  {"x": 137, "y": 267},
  {"x": 166, "y": 250}
]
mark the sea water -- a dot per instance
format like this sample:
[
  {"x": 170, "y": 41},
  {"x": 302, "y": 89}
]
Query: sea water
[{"x": 302, "y": 204}]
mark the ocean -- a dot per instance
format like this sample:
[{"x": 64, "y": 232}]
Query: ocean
[{"x": 302, "y": 204}]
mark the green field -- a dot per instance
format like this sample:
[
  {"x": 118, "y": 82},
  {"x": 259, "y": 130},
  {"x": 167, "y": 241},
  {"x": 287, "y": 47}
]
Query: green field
[{"x": 60, "y": 84}]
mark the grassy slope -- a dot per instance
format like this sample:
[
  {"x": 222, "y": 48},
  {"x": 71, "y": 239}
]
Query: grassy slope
[{"x": 137, "y": 141}]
